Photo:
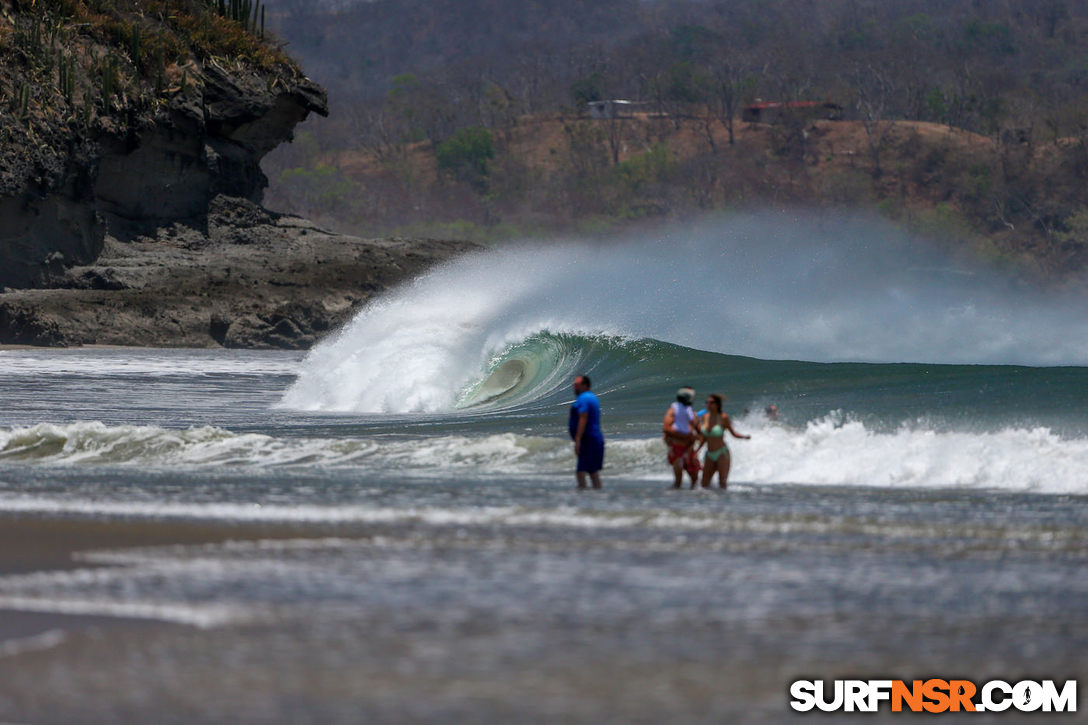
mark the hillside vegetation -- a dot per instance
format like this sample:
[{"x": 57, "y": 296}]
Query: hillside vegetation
[
  {"x": 79, "y": 69},
  {"x": 966, "y": 120}
]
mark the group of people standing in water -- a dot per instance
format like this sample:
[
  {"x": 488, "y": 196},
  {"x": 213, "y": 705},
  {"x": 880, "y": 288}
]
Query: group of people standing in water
[{"x": 685, "y": 433}]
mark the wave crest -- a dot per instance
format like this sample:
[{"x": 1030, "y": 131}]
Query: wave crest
[
  {"x": 448, "y": 374},
  {"x": 775, "y": 287}
]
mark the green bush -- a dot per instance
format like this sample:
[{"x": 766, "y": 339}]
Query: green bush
[
  {"x": 588, "y": 89},
  {"x": 467, "y": 155},
  {"x": 645, "y": 169}
]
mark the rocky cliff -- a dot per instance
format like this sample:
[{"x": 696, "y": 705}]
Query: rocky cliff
[
  {"x": 131, "y": 136},
  {"x": 253, "y": 279},
  {"x": 119, "y": 121}
]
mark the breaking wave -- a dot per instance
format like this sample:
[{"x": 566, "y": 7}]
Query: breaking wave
[
  {"x": 515, "y": 321},
  {"x": 832, "y": 450}
]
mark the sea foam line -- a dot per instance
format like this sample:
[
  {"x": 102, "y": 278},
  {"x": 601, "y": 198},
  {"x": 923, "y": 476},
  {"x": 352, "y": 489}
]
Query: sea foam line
[
  {"x": 254, "y": 512},
  {"x": 35, "y": 643},
  {"x": 203, "y": 617},
  {"x": 567, "y": 517}
]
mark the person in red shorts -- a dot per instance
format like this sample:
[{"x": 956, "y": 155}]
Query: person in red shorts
[{"x": 681, "y": 433}]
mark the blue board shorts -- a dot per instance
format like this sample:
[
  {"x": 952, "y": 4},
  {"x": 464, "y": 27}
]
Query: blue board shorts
[{"x": 591, "y": 455}]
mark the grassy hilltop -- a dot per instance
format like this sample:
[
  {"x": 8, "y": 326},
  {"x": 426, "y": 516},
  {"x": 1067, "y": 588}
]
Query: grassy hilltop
[{"x": 557, "y": 174}]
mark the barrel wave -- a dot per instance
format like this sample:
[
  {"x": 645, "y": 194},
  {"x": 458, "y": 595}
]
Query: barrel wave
[{"x": 497, "y": 326}]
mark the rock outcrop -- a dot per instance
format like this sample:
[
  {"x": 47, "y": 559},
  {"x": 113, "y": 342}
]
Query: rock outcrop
[
  {"x": 208, "y": 142},
  {"x": 254, "y": 279},
  {"x": 121, "y": 119},
  {"x": 130, "y": 185}
]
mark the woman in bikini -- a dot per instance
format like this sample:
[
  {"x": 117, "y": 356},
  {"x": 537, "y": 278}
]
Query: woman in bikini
[{"x": 714, "y": 425}]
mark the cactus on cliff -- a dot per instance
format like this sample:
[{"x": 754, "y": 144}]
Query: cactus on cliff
[{"x": 249, "y": 14}]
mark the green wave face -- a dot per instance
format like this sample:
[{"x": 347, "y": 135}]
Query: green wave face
[
  {"x": 524, "y": 372},
  {"x": 539, "y": 370},
  {"x": 637, "y": 379}
]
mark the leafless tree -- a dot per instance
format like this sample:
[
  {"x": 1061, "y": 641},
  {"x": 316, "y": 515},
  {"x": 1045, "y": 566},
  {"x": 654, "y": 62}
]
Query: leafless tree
[
  {"x": 874, "y": 89},
  {"x": 734, "y": 85}
]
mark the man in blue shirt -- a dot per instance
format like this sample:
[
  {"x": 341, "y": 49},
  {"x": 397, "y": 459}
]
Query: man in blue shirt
[{"x": 585, "y": 431}]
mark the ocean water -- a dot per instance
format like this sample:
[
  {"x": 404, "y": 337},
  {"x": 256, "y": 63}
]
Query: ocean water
[{"x": 918, "y": 509}]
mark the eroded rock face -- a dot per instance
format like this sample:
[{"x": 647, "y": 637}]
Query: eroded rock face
[
  {"x": 251, "y": 279},
  {"x": 208, "y": 140},
  {"x": 42, "y": 235},
  {"x": 22, "y": 322}
]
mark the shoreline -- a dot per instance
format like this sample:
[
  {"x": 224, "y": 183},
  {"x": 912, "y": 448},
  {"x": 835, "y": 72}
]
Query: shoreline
[{"x": 39, "y": 543}]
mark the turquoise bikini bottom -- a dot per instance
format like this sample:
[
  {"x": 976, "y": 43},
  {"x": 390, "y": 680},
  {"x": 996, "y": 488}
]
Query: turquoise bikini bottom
[{"x": 715, "y": 455}]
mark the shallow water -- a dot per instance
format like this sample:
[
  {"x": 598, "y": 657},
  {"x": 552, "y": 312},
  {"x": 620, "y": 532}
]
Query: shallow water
[
  {"x": 895, "y": 522},
  {"x": 398, "y": 538}
]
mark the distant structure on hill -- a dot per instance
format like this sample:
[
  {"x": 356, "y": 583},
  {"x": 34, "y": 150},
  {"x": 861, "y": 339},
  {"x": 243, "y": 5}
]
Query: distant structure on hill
[
  {"x": 776, "y": 111},
  {"x": 614, "y": 108}
]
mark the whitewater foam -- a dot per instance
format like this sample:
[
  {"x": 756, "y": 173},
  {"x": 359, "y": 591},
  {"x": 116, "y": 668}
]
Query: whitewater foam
[
  {"x": 838, "y": 451},
  {"x": 96, "y": 443},
  {"x": 203, "y": 617},
  {"x": 832, "y": 450},
  {"x": 34, "y": 643}
]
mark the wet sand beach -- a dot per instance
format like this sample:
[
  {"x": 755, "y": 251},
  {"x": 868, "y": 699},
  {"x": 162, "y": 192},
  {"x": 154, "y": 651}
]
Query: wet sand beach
[
  {"x": 41, "y": 544},
  {"x": 535, "y": 619}
]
